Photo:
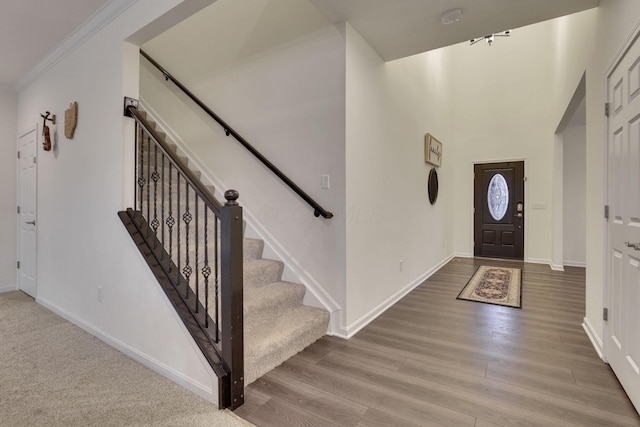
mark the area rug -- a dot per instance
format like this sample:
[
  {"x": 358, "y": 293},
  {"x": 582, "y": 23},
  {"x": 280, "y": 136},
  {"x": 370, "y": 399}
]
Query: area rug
[{"x": 494, "y": 285}]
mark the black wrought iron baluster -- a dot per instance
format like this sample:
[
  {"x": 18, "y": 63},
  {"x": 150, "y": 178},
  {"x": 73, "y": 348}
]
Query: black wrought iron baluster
[
  {"x": 141, "y": 180},
  {"x": 136, "y": 144},
  {"x": 206, "y": 270},
  {"x": 155, "y": 176},
  {"x": 162, "y": 202},
  {"x": 216, "y": 289},
  {"x": 170, "y": 219},
  {"x": 149, "y": 181},
  {"x": 187, "y": 217},
  {"x": 179, "y": 252},
  {"x": 195, "y": 264}
]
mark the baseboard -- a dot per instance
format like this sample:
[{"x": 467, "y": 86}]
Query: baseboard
[
  {"x": 355, "y": 327},
  {"x": 594, "y": 338},
  {"x": 556, "y": 267},
  {"x": 8, "y": 288},
  {"x": 290, "y": 263},
  {"x": 582, "y": 264},
  {"x": 462, "y": 255},
  {"x": 146, "y": 360},
  {"x": 543, "y": 261}
]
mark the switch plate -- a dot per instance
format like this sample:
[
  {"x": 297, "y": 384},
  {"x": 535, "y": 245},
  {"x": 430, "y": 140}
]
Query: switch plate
[
  {"x": 99, "y": 294},
  {"x": 324, "y": 182}
]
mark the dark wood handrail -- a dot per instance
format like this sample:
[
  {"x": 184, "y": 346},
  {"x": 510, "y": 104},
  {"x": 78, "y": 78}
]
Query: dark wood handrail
[
  {"x": 317, "y": 209},
  {"x": 189, "y": 176}
]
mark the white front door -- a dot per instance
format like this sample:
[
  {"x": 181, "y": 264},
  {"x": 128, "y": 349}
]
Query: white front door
[
  {"x": 27, "y": 179},
  {"x": 622, "y": 333}
]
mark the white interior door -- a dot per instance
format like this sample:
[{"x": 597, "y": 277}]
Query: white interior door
[
  {"x": 623, "y": 334},
  {"x": 27, "y": 179}
]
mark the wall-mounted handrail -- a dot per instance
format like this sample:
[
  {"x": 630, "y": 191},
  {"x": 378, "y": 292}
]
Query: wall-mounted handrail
[{"x": 317, "y": 209}]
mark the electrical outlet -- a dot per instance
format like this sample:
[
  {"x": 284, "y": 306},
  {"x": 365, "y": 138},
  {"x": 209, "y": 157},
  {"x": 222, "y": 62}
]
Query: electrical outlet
[
  {"x": 99, "y": 294},
  {"x": 324, "y": 182}
]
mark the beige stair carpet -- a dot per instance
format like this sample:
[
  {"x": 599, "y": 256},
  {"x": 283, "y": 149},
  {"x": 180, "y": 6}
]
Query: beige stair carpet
[{"x": 277, "y": 324}]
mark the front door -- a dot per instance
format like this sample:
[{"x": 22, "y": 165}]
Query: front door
[
  {"x": 27, "y": 167},
  {"x": 623, "y": 248},
  {"x": 499, "y": 210}
]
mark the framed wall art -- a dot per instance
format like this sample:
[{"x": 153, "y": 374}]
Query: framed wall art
[{"x": 432, "y": 150}]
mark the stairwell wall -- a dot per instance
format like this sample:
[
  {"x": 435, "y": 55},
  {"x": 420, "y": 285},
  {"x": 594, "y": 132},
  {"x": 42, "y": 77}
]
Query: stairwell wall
[
  {"x": 82, "y": 245},
  {"x": 395, "y": 237},
  {"x": 8, "y": 203},
  {"x": 279, "y": 82}
]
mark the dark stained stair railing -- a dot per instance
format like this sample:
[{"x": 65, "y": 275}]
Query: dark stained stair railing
[
  {"x": 193, "y": 245},
  {"x": 317, "y": 209}
]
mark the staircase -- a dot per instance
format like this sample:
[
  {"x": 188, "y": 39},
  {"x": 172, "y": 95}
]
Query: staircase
[{"x": 276, "y": 323}]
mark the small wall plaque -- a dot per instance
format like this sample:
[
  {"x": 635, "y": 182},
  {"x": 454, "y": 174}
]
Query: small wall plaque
[
  {"x": 432, "y": 150},
  {"x": 70, "y": 120}
]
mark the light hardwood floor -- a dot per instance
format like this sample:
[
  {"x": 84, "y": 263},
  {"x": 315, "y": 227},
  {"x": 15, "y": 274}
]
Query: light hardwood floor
[{"x": 435, "y": 360}]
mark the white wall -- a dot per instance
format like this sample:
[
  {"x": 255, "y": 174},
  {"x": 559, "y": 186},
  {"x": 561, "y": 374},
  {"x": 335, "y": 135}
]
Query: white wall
[
  {"x": 575, "y": 193},
  {"x": 390, "y": 106},
  {"x": 8, "y": 227},
  {"x": 508, "y": 100},
  {"x": 279, "y": 82},
  {"x": 615, "y": 20},
  {"x": 82, "y": 245}
]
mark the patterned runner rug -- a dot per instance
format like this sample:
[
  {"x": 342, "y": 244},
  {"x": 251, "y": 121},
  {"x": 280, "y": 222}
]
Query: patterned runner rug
[{"x": 494, "y": 285}]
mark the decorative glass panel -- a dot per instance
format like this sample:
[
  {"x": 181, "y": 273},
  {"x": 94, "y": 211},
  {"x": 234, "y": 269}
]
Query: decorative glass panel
[{"x": 498, "y": 197}]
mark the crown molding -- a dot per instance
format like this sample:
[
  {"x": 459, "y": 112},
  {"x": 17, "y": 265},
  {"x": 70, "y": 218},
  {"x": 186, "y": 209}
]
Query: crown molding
[{"x": 90, "y": 27}]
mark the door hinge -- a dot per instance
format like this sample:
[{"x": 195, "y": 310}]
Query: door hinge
[
  {"x": 18, "y": 263},
  {"x": 18, "y": 154},
  {"x": 524, "y": 179},
  {"x": 34, "y": 160},
  {"x": 606, "y": 109},
  {"x": 606, "y": 211},
  {"x": 605, "y": 314},
  {"x": 18, "y": 209}
]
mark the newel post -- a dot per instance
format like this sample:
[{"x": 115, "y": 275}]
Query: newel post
[{"x": 232, "y": 305}]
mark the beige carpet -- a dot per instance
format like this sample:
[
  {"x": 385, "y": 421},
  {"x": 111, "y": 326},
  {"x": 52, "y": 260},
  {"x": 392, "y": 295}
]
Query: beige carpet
[{"x": 54, "y": 374}]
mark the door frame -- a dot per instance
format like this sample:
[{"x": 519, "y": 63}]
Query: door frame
[
  {"x": 526, "y": 201},
  {"x": 633, "y": 37},
  {"x": 35, "y": 129}
]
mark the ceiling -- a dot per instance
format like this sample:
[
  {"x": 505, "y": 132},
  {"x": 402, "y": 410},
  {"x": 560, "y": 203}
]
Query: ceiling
[
  {"x": 399, "y": 28},
  {"x": 30, "y": 29}
]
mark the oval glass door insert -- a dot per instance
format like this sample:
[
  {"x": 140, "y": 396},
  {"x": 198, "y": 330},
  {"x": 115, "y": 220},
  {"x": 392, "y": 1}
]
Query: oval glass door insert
[{"x": 498, "y": 197}]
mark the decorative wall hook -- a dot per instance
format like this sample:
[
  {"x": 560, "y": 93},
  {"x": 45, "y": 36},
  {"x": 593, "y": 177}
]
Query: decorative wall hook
[{"x": 45, "y": 130}]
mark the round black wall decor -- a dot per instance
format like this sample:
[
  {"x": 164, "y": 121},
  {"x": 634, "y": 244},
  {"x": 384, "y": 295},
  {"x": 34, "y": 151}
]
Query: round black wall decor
[{"x": 433, "y": 185}]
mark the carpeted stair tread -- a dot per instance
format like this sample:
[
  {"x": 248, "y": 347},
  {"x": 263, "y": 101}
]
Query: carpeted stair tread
[
  {"x": 261, "y": 272},
  {"x": 253, "y": 248},
  {"x": 262, "y": 305},
  {"x": 271, "y": 344}
]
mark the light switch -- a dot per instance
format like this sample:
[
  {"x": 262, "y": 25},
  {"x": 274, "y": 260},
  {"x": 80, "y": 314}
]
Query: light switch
[{"x": 324, "y": 181}]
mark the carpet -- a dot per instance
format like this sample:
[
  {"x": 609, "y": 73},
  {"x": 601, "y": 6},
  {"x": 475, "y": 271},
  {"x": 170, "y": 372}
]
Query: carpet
[
  {"x": 53, "y": 373},
  {"x": 494, "y": 285}
]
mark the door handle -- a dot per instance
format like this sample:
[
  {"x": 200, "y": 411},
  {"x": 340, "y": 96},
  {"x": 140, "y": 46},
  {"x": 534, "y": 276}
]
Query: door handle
[
  {"x": 635, "y": 246},
  {"x": 31, "y": 222}
]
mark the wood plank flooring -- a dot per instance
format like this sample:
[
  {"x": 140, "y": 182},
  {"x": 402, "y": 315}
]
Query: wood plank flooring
[{"x": 434, "y": 360}]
